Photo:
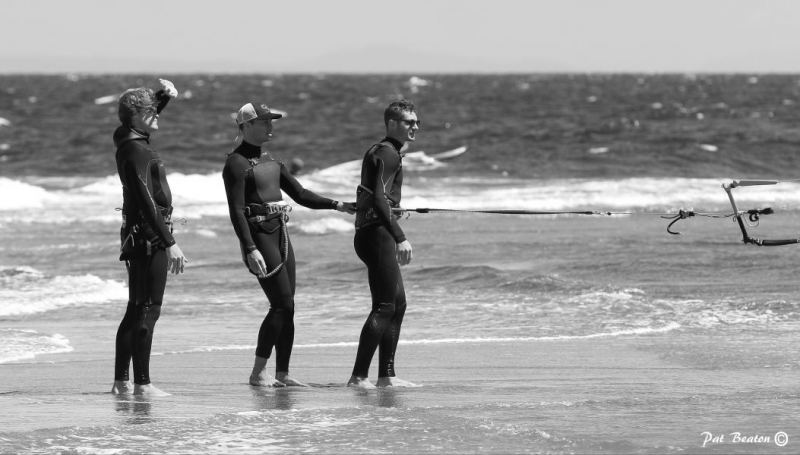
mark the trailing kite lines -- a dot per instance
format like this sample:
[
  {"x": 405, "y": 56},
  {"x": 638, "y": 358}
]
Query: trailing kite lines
[
  {"x": 752, "y": 216},
  {"x": 514, "y": 212}
]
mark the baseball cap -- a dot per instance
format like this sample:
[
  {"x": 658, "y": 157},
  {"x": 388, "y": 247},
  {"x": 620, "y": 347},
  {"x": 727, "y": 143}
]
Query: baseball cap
[{"x": 253, "y": 111}]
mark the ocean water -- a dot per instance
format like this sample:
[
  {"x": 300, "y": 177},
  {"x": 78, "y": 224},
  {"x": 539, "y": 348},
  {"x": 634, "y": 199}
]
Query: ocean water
[{"x": 643, "y": 146}]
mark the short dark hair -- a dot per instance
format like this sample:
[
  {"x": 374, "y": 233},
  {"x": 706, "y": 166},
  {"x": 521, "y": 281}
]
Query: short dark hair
[{"x": 396, "y": 108}]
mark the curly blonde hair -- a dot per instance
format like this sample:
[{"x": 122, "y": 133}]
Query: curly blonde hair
[{"x": 135, "y": 101}]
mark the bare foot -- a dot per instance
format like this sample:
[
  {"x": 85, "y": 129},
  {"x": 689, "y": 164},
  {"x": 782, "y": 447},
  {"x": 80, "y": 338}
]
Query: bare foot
[
  {"x": 148, "y": 390},
  {"x": 391, "y": 381},
  {"x": 283, "y": 377},
  {"x": 259, "y": 376},
  {"x": 360, "y": 383},
  {"x": 265, "y": 380},
  {"x": 122, "y": 387}
]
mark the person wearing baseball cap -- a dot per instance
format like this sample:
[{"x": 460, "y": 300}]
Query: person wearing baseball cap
[
  {"x": 254, "y": 111},
  {"x": 253, "y": 183},
  {"x": 250, "y": 112}
]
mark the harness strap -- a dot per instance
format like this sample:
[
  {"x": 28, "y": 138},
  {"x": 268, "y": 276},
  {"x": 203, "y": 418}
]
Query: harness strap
[
  {"x": 284, "y": 231},
  {"x": 147, "y": 236},
  {"x": 266, "y": 208}
]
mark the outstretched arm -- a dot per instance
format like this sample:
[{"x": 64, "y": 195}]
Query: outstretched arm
[{"x": 308, "y": 198}]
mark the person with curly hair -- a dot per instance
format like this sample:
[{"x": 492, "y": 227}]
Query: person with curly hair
[{"x": 147, "y": 245}]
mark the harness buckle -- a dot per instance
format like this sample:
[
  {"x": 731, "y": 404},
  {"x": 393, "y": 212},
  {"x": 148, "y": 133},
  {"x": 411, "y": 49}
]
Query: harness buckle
[{"x": 266, "y": 208}]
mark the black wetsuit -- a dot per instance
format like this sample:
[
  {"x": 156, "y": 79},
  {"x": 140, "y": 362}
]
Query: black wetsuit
[
  {"x": 146, "y": 233},
  {"x": 375, "y": 242},
  {"x": 250, "y": 182}
]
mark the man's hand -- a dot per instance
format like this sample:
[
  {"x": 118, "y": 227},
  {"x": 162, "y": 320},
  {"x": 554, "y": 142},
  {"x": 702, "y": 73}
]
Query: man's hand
[
  {"x": 256, "y": 264},
  {"x": 347, "y": 207},
  {"x": 169, "y": 88},
  {"x": 403, "y": 252},
  {"x": 175, "y": 259}
]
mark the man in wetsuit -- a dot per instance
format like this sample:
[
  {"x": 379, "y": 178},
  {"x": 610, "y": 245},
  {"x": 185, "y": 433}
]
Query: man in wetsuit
[
  {"x": 382, "y": 246},
  {"x": 253, "y": 184},
  {"x": 148, "y": 248}
]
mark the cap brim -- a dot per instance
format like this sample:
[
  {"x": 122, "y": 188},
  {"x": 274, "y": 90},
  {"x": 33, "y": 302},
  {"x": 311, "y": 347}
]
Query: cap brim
[{"x": 270, "y": 116}]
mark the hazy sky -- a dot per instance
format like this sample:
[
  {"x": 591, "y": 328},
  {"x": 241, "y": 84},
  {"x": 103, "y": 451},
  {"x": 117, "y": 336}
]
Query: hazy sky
[{"x": 400, "y": 35}]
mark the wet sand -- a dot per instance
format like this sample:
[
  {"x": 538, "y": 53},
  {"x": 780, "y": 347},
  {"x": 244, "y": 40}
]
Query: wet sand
[{"x": 648, "y": 394}]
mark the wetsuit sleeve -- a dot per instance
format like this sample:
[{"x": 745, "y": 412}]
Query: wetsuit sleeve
[
  {"x": 137, "y": 175},
  {"x": 302, "y": 196},
  {"x": 163, "y": 99},
  {"x": 233, "y": 175},
  {"x": 387, "y": 163}
]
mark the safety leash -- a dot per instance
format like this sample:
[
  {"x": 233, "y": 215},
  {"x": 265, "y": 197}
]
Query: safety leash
[{"x": 284, "y": 251}]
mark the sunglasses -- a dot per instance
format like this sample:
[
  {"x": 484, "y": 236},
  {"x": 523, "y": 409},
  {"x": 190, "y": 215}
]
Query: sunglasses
[{"x": 411, "y": 123}]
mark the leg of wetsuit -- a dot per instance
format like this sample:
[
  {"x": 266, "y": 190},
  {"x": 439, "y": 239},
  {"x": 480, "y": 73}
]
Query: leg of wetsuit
[
  {"x": 146, "y": 323},
  {"x": 377, "y": 249},
  {"x": 283, "y": 347},
  {"x": 152, "y": 282},
  {"x": 147, "y": 278},
  {"x": 388, "y": 344},
  {"x": 277, "y": 329},
  {"x": 124, "y": 341}
]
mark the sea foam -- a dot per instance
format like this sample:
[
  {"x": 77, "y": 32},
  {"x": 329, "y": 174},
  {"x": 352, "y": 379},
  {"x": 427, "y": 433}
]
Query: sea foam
[
  {"x": 26, "y": 344},
  {"x": 26, "y": 290},
  {"x": 196, "y": 195},
  {"x": 326, "y": 226},
  {"x": 640, "y": 331}
]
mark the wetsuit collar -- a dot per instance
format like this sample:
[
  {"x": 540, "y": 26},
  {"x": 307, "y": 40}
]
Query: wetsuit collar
[
  {"x": 127, "y": 133},
  {"x": 397, "y": 144},
  {"x": 141, "y": 134},
  {"x": 248, "y": 150}
]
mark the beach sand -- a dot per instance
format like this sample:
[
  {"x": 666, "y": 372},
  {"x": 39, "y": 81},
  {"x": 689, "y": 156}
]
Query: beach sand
[{"x": 651, "y": 394}]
